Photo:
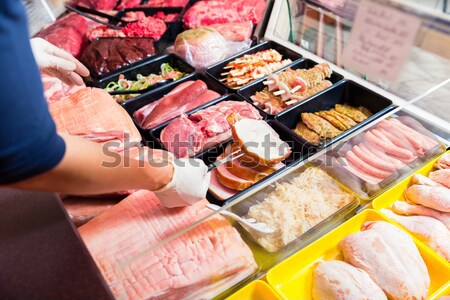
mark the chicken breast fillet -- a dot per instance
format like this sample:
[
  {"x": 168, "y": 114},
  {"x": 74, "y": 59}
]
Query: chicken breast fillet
[
  {"x": 338, "y": 280},
  {"x": 391, "y": 259}
]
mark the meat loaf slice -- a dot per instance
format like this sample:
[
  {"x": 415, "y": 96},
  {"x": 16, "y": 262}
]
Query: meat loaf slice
[
  {"x": 230, "y": 180},
  {"x": 260, "y": 142},
  {"x": 236, "y": 168}
]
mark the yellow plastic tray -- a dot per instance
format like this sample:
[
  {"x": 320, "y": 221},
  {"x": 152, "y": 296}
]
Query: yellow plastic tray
[
  {"x": 445, "y": 291},
  {"x": 292, "y": 278},
  {"x": 256, "y": 290},
  {"x": 386, "y": 199}
]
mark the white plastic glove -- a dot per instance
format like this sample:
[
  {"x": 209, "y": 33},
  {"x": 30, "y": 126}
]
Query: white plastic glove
[
  {"x": 189, "y": 183},
  {"x": 56, "y": 62}
]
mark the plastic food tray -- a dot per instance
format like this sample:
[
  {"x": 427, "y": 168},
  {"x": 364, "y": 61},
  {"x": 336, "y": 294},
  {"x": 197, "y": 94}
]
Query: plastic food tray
[
  {"x": 292, "y": 278},
  {"x": 146, "y": 68},
  {"x": 345, "y": 92},
  {"x": 256, "y": 290},
  {"x": 444, "y": 291},
  {"x": 396, "y": 193},
  {"x": 299, "y": 152},
  {"x": 258, "y": 85},
  {"x": 135, "y": 104},
  {"x": 215, "y": 70},
  {"x": 218, "y": 148}
]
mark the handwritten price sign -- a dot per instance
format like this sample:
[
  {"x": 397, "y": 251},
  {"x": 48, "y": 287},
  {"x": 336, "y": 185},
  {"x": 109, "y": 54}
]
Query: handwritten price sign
[{"x": 380, "y": 40}]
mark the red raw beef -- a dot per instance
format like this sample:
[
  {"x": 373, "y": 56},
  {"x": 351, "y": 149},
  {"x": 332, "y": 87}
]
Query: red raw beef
[
  {"x": 67, "y": 33},
  {"x": 204, "y": 128},
  {"x": 205, "y": 13},
  {"x": 166, "y": 3},
  {"x": 128, "y": 4},
  {"x": 55, "y": 89},
  {"x": 97, "y": 4},
  {"x": 237, "y": 32}
]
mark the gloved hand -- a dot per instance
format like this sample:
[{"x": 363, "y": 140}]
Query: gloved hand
[
  {"x": 56, "y": 62},
  {"x": 189, "y": 183}
]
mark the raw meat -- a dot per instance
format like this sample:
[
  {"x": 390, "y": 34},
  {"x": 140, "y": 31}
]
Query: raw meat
[
  {"x": 423, "y": 180},
  {"x": 110, "y": 54},
  {"x": 184, "y": 97},
  {"x": 55, "y": 89},
  {"x": 103, "y": 31},
  {"x": 147, "y": 27},
  {"x": 391, "y": 259},
  {"x": 443, "y": 162},
  {"x": 90, "y": 111},
  {"x": 128, "y": 4},
  {"x": 237, "y": 32},
  {"x": 83, "y": 209},
  {"x": 67, "y": 33},
  {"x": 199, "y": 264},
  {"x": 337, "y": 280},
  {"x": 205, "y": 13},
  {"x": 441, "y": 176},
  {"x": 260, "y": 142},
  {"x": 96, "y": 4},
  {"x": 205, "y": 128},
  {"x": 434, "y": 197},
  {"x": 429, "y": 230},
  {"x": 201, "y": 47},
  {"x": 403, "y": 208},
  {"x": 366, "y": 167},
  {"x": 166, "y": 3}
]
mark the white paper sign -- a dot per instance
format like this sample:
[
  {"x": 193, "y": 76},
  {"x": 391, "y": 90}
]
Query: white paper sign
[{"x": 380, "y": 40}]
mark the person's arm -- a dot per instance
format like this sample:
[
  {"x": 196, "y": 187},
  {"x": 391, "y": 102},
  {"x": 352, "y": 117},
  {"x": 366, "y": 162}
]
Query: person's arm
[{"x": 81, "y": 172}]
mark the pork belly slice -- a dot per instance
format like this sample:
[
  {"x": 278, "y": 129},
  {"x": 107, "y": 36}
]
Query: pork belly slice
[{"x": 199, "y": 264}]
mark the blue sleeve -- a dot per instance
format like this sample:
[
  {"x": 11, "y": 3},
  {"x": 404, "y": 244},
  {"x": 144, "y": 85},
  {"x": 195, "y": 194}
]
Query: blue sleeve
[{"x": 29, "y": 144}]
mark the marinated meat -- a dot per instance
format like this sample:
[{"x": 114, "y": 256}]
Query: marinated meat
[
  {"x": 338, "y": 280},
  {"x": 110, "y": 54},
  {"x": 199, "y": 264},
  {"x": 404, "y": 208},
  {"x": 67, "y": 33},
  {"x": 204, "y": 128},
  {"x": 92, "y": 111},
  {"x": 391, "y": 259},
  {"x": 205, "y": 13},
  {"x": 356, "y": 114},
  {"x": 428, "y": 230},
  {"x": 307, "y": 134},
  {"x": 321, "y": 126},
  {"x": 434, "y": 197},
  {"x": 184, "y": 97}
]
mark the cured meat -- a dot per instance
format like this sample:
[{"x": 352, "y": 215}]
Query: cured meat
[
  {"x": 428, "y": 230},
  {"x": 67, "y": 33},
  {"x": 434, "y": 197},
  {"x": 236, "y": 32},
  {"x": 199, "y": 264},
  {"x": 128, "y": 4},
  {"x": 204, "y": 128},
  {"x": 403, "y": 208},
  {"x": 260, "y": 142},
  {"x": 205, "y": 13},
  {"x": 106, "y": 55},
  {"x": 175, "y": 103},
  {"x": 230, "y": 180},
  {"x": 391, "y": 259},
  {"x": 55, "y": 89},
  {"x": 219, "y": 190},
  {"x": 441, "y": 176},
  {"x": 92, "y": 111},
  {"x": 339, "y": 280}
]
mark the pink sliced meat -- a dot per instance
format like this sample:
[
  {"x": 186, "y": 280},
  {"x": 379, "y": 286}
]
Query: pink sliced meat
[
  {"x": 365, "y": 167},
  {"x": 128, "y": 4},
  {"x": 231, "y": 181},
  {"x": 55, "y": 89},
  {"x": 237, "y": 32},
  {"x": 219, "y": 190},
  {"x": 199, "y": 264},
  {"x": 371, "y": 159},
  {"x": 83, "y": 209},
  {"x": 385, "y": 145}
]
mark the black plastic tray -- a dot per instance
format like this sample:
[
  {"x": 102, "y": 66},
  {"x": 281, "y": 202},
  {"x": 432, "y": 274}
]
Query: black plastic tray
[
  {"x": 258, "y": 85},
  {"x": 145, "y": 68},
  {"x": 345, "y": 92},
  {"x": 134, "y": 104},
  {"x": 215, "y": 70},
  {"x": 300, "y": 151},
  {"x": 156, "y": 132},
  {"x": 173, "y": 28}
]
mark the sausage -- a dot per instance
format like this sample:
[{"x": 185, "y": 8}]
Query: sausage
[
  {"x": 366, "y": 168},
  {"x": 384, "y": 144},
  {"x": 371, "y": 159}
]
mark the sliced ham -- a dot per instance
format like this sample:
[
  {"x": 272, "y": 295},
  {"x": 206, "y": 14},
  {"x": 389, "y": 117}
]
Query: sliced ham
[
  {"x": 218, "y": 190},
  {"x": 230, "y": 180},
  {"x": 199, "y": 264},
  {"x": 236, "y": 168}
]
